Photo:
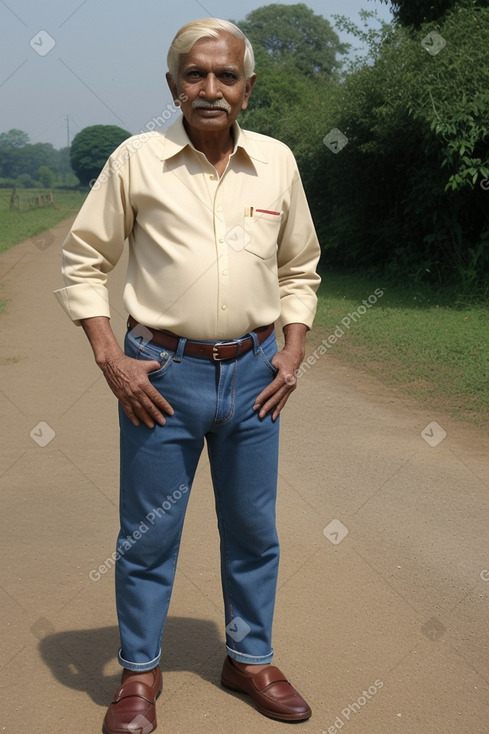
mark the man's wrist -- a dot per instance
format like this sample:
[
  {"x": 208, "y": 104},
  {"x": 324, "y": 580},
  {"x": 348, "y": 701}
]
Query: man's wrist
[
  {"x": 106, "y": 349},
  {"x": 295, "y": 338}
]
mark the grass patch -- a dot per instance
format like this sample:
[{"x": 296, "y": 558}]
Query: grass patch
[
  {"x": 433, "y": 348},
  {"x": 17, "y": 226}
]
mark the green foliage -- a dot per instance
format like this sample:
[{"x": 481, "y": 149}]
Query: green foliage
[
  {"x": 25, "y": 181},
  {"x": 408, "y": 189},
  {"x": 91, "y": 147},
  {"x": 294, "y": 38},
  {"x": 18, "y": 157},
  {"x": 409, "y": 194},
  {"x": 417, "y": 12},
  {"x": 46, "y": 177},
  {"x": 14, "y": 139}
]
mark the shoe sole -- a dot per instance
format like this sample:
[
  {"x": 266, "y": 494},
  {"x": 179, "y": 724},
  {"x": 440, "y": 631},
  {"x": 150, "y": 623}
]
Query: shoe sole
[{"x": 270, "y": 714}]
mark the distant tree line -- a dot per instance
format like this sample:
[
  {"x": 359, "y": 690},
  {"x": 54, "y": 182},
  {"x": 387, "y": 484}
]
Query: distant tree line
[{"x": 27, "y": 165}]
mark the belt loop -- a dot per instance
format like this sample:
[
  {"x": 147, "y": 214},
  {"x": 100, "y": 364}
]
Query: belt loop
[
  {"x": 180, "y": 349},
  {"x": 256, "y": 343}
]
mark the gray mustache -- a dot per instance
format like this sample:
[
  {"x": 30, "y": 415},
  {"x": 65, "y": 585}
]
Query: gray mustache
[{"x": 219, "y": 104}]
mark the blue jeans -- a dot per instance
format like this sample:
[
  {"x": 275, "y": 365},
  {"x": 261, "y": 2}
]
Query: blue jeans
[{"x": 213, "y": 401}]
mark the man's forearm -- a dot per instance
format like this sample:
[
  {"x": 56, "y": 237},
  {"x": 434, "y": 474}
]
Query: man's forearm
[{"x": 102, "y": 340}]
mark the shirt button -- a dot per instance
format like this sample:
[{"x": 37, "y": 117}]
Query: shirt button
[
  {"x": 224, "y": 272},
  {"x": 212, "y": 177},
  {"x": 221, "y": 240},
  {"x": 220, "y": 208},
  {"x": 224, "y": 307}
]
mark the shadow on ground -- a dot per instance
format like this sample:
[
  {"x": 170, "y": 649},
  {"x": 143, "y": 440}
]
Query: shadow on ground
[{"x": 78, "y": 658}]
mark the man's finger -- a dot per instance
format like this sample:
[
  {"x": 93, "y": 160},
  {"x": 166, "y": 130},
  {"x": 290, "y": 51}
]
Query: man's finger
[
  {"x": 287, "y": 382},
  {"x": 265, "y": 403},
  {"x": 265, "y": 394}
]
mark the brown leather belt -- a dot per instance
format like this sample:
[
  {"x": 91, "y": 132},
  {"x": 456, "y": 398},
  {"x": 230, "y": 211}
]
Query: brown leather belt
[{"x": 217, "y": 351}]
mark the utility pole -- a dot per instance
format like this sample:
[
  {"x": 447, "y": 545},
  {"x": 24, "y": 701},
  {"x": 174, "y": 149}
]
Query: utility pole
[{"x": 68, "y": 129}]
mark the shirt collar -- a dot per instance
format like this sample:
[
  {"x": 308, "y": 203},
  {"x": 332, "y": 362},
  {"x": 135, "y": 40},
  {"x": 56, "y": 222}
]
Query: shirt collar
[{"x": 175, "y": 139}]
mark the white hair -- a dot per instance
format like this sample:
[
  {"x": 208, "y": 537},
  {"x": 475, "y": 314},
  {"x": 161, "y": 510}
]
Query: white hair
[{"x": 197, "y": 30}]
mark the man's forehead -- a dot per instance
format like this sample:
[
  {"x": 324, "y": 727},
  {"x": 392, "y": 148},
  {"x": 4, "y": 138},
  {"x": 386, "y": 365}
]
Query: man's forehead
[{"x": 226, "y": 49}]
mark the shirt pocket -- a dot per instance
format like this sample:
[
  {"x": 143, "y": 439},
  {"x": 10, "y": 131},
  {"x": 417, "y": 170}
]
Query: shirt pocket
[{"x": 262, "y": 232}]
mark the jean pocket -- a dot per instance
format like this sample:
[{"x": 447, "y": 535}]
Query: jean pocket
[
  {"x": 137, "y": 348},
  {"x": 267, "y": 351}
]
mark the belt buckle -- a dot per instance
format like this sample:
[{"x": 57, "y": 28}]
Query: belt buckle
[{"x": 215, "y": 350}]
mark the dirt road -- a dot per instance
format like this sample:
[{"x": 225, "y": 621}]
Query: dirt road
[{"x": 382, "y": 607}]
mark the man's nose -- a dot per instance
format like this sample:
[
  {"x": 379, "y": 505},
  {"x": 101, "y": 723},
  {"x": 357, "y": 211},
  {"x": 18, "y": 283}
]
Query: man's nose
[{"x": 210, "y": 89}]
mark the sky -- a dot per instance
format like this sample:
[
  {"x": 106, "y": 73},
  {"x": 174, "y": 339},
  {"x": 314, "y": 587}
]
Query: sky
[{"x": 68, "y": 64}]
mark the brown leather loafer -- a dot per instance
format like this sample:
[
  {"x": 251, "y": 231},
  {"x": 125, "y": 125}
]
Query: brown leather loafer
[
  {"x": 133, "y": 707},
  {"x": 270, "y": 690}
]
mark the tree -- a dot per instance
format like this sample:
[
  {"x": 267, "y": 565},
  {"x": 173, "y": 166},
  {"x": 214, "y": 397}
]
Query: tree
[
  {"x": 25, "y": 181},
  {"x": 294, "y": 36},
  {"x": 14, "y": 139},
  {"x": 408, "y": 193},
  {"x": 416, "y": 12},
  {"x": 46, "y": 177},
  {"x": 91, "y": 147}
]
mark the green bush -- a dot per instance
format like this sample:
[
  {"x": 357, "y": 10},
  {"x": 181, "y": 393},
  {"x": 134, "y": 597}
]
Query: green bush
[
  {"x": 408, "y": 193},
  {"x": 25, "y": 181}
]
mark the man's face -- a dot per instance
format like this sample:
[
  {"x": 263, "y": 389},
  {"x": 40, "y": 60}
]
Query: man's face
[{"x": 212, "y": 74}]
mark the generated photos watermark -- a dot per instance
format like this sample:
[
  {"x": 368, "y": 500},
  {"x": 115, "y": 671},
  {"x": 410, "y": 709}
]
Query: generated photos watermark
[
  {"x": 335, "y": 531},
  {"x": 354, "y": 708},
  {"x": 335, "y": 140},
  {"x": 433, "y": 43},
  {"x": 346, "y": 323},
  {"x": 144, "y": 526},
  {"x": 42, "y": 434},
  {"x": 42, "y": 43},
  {"x": 433, "y": 434},
  {"x": 237, "y": 629},
  {"x": 136, "y": 142}
]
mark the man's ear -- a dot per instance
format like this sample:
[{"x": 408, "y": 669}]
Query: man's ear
[
  {"x": 172, "y": 85},
  {"x": 249, "y": 86}
]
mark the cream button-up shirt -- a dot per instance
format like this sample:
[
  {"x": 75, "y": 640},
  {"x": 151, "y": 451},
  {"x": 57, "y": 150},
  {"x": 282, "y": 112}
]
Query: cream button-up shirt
[{"x": 209, "y": 258}]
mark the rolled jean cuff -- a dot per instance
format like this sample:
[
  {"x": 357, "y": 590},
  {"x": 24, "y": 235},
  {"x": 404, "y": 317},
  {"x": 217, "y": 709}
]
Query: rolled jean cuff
[
  {"x": 249, "y": 659},
  {"x": 139, "y": 667}
]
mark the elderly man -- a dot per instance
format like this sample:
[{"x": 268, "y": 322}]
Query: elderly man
[{"x": 221, "y": 247}]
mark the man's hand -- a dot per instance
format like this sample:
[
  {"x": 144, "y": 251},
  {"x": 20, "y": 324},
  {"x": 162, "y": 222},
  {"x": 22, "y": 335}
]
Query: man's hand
[
  {"x": 126, "y": 377},
  {"x": 128, "y": 380},
  {"x": 273, "y": 398}
]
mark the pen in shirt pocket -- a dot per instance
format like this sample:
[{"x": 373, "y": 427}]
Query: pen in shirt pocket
[{"x": 249, "y": 211}]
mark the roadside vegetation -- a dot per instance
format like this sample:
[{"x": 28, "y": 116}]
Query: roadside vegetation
[
  {"x": 18, "y": 225},
  {"x": 425, "y": 344}
]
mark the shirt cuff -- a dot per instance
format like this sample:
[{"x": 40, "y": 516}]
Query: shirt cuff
[
  {"x": 84, "y": 301},
  {"x": 298, "y": 310}
]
